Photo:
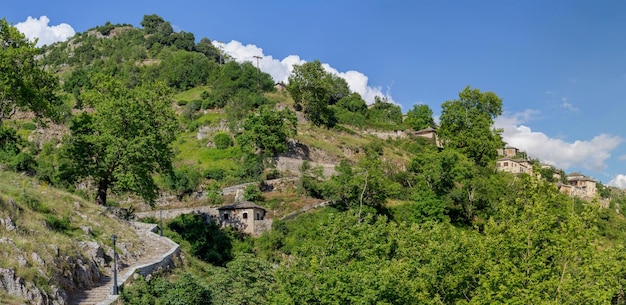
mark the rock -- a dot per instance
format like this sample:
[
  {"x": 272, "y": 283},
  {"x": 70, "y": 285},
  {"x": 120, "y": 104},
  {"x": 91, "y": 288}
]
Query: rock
[
  {"x": 6, "y": 240},
  {"x": 37, "y": 259},
  {"x": 94, "y": 251},
  {"x": 9, "y": 225},
  {"x": 12, "y": 204},
  {"x": 87, "y": 230},
  {"x": 16, "y": 286},
  {"x": 21, "y": 261},
  {"x": 55, "y": 249}
]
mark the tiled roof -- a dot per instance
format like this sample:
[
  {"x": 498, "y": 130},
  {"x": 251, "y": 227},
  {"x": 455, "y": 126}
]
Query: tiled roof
[{"x": 241, "y": 205}]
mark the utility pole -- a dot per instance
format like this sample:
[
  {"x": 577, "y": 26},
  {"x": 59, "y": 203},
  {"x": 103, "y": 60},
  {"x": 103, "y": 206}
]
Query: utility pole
[
  {"x": 258, "y": 82},
  {"x": 219, "y": 48},
  {"x": 114, "y": 238}
]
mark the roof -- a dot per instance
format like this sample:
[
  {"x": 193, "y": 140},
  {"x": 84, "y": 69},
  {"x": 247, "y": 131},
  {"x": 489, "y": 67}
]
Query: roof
[
  {"x": 425, "y": 130},
  {"x": 241, "y": 205}
]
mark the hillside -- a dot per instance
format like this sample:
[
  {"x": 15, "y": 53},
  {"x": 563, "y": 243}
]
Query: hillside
[
  {"x": 148, "y": 119},
  {"x": 55, "y": 243}
]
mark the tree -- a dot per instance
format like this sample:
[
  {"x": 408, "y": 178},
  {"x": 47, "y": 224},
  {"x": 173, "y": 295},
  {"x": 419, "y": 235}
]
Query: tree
[
  {"x": 24, "y": 85},
  {"x": 467, "y": 124},
  {"x": 267, "y": 130},
  {"x": 125, "y": 140},
  {"x": 313, "y": 89},
  {"x": 155, "y": 24},
  {"x": 420, "y": 117},
  {"x": 383, "y": 111}
]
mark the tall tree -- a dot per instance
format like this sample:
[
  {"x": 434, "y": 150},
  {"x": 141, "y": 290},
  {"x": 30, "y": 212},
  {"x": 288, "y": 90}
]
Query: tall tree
[
  {"x": 267, "y": 130},
  {"x": 467, "y": 124},
  {"x": 125, "y": 140},
  {"x": 313, "y": 89},
  {"x": 420, "y": 117},
  {"x": 24, "y": 85}
]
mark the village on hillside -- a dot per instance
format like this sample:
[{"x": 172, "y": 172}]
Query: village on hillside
[{"x": 574, "y": 184}]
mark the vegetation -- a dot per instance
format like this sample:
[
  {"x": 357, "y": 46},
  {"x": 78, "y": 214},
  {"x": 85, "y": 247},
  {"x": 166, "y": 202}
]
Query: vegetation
[{"x": 410, "y": 222}]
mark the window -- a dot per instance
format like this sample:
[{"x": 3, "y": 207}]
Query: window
[
  {"x": 258, "y": 216},
  {"x": 225, "y": 216},
  {"x": 245, "y": 215},
  {"x": 506, "y": 163}
]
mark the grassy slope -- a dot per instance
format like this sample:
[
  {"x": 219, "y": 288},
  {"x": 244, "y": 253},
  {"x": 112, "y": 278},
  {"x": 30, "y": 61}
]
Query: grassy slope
[{"x": 37, "y": 208}]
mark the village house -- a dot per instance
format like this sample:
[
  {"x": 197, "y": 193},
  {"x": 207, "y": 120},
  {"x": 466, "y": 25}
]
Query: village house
[
  {"x": 508, "y": 152},
  {"x": 245, "y": 216},
  {"x": 428, "y": 133},
  {"x": 514, "y": 166},
  {"x": 583, "y": 185}
]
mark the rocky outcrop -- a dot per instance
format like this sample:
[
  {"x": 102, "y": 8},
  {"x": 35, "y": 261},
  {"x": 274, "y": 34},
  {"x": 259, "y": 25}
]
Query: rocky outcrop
[{"x": 17, "y": 286}]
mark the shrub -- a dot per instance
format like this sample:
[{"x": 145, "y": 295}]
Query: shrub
[
  {"x": 29, "y": 126},
  {"x": 214, "y": 173},
  {"x": 24, "y": 162},
  {"x": 56, "y": 224},
  {"x": 252, "y": 192},
  {"x": 222, "y": 140}
]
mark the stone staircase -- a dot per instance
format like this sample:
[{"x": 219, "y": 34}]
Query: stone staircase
[{"x": 158, "y": 253}]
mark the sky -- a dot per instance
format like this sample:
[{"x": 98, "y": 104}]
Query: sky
[{"x": 559, "y": 66}]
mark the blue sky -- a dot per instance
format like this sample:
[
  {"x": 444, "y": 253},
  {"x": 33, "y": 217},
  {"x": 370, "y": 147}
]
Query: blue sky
[{"x": 559, "y": 66}]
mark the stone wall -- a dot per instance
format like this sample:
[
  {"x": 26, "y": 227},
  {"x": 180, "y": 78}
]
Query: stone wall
[{"x": 173, "y": 213}]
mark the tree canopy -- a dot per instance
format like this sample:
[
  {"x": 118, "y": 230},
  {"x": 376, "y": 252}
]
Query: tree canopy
[
  {"x": 420, "y": 117},
  {"x": 125, "y": 139},
  {"x": 467, "y": 124},
  {"x": 24, "y": 85},
  {"x": 314, "y": 89}
]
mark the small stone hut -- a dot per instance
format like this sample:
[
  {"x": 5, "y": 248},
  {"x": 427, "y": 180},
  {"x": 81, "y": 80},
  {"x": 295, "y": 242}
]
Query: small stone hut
[{"x": 244, "y": 216}]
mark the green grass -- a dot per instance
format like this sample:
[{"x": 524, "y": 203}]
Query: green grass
[
  {"x": 191, "y": 94},
  {"x": 49, "y": 223}
]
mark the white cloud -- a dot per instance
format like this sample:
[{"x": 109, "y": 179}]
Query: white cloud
[
  {"x": 38, "y": 28},
  {"x": 591, "y": 154},
  {"x": 567, "y": 105},
  {"x": 281, "y": 69},
  {"x": 619, "y": 181}
]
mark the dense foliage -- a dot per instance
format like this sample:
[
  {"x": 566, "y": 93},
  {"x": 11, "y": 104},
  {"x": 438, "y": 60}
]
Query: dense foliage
[{"x": 411, "y": 222}]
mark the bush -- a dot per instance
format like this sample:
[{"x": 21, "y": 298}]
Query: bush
[
  {"x": 56, "y": 224},
  {"x": 207, "y": 241},
  {"x": 214, "y": 173},
  {"x": 183, "y": 181},
  {"x": 29, "y": 126},
  {"x": 222, "y": 140},
  {"x": 252, "y": 192},
  {"x": 24, "y": 162}
]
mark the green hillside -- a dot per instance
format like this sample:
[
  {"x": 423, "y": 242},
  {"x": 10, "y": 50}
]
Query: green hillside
[{"x": 145, "y": 118}]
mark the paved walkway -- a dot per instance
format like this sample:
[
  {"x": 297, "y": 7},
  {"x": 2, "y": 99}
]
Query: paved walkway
[{"x": 157, "y": 249}]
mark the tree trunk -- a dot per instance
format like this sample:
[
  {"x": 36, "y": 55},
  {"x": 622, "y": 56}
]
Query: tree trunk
[{"x": 101, "y": 197}]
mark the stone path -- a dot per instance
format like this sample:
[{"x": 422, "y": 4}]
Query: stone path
[{"x": 156, "y": 248}]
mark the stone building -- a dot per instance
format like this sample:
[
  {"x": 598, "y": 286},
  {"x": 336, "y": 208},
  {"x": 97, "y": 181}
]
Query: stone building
[
  {"x": 585, "y": 186},
  {"x": 515, "y": 166},
  {"x": 244, "y": 216}
]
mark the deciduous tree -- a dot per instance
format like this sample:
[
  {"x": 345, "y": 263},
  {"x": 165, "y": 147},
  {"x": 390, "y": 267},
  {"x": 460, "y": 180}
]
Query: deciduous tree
[
  {"x": 267, "y": 130},
  {"x": 467, "y": 124},
  {"x": 420, "y": 117},
  {"x": 125, "y": 140},
  {"x": 313, "y": 89},
  {"x": 24, "y": 85}
]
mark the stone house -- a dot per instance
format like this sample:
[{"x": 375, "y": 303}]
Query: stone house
[
  {"x": 584, "y": 186},
  {"x": 514, "y": 166},
  {"x": 428, "y": 133},
  {"x": 245, "y": 216},
  {"x": 508, "y": 151}
]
